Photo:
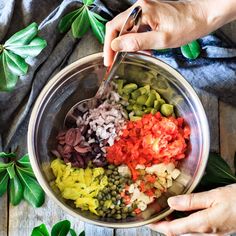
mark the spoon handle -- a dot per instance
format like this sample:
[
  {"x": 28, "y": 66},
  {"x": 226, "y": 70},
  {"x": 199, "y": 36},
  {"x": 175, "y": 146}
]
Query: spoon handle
[{"x": 131, "y": 25}]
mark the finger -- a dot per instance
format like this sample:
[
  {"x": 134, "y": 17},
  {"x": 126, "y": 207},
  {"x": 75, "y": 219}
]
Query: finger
[
  {"x": 199, "y": 222},
  {"x": 189, "y": 202},
  {"x": 141, "y": 41},
  {"x": 113, "y": 27}
]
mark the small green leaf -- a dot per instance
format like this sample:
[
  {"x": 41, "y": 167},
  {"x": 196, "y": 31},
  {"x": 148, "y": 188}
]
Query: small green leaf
[
  {"x": 81, "y": 24},
  {"x": 15, "y": 63},
  {"x": 30, "y": 50},
  {"x": 4, "y": 178},
  {"x": 11, "y": 171},
  {"x": 16, "y": 191},
  {"x": 191, "y": 50},
  {"x": 7, "y": 155},
  {"x": 8, "y": 80},
  {"x": 23, "y": 36},
  {"x": 24, "y": 161},
  {"x": 88, "y": 2},
  {"x": 4, "y": 166},
  {"x": 68, "y": 19},
  {"x": 40, "y": 230},
  {"x": 72, "y": 232},
  {"x": 100, "y": 18},
  {"x": 62, "y": 228},
  {"x": 33, "y": 193},
  {"x": 97, "y": 27},
  {"x": 82, "y": 233}
]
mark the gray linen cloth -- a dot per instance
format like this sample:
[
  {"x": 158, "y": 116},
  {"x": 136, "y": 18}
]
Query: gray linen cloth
[{"x": 215, "y": 71}]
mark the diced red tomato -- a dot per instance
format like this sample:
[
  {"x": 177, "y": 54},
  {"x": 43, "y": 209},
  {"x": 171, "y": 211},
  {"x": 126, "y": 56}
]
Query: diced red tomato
[
  {"x": 137, "y": 211},
  {"x": 153, "y": 139}
]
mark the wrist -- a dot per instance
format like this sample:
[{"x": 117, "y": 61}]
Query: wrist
[{"x": 217, "y": 12}]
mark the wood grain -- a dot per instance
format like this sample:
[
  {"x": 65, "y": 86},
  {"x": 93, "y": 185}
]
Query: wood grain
[
  {"x": 4, "y": 215},
  {"x": 23, "y": 218},
  {"x": 228, "y": 132},
  {"x": 210, "y": 104}
]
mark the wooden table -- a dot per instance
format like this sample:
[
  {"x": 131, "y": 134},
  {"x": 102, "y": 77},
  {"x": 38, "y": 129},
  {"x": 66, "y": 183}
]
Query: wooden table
[{"x": 20, "y": 220}]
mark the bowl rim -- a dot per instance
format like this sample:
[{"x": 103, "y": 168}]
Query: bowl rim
[{"x": 32, "y": 123}]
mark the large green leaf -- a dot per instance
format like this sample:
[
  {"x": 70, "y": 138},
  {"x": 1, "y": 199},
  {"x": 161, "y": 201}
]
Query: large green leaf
[
  {"x": 97, "y": 27},
  {"x": 4, "y": 178},
  {"x": 191, "y": 50},
  {"x": 11, "y": 171},
  {"x": 33, "y": 193},
  {"x": 23, "y": 36},
  {"x": 100, "y": 18},
  {"x": 68, "y": 19},
  {"x": 62, "y": 228},
  {"x": 81, "y": 24},
  {"x": 30, "y": 50},
  {"x": 40, "y": 230},
  {"x": 88, "y": 2},
  {"x": 8, "y": 80},
  {"x": 7, "y": 155},
  {"x": 15, "y": 63},
  {"x": 82, "y": 233},
  {"x": 4, "y": 166},
  {"x": 16, "y": 191},
  {"x": 218, "y": 172},
  {"x": 24, "y": 161},
  {"x": 27, "y": 170}
]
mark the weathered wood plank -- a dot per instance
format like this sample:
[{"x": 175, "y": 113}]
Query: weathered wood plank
[
  {"x": 210, "y": 104},
  {"x": 4, "y": 215},
  {"x": 140, "y": 231},
  {"x": 23, "y": 218},
  {"x": 227, "y": 132}
]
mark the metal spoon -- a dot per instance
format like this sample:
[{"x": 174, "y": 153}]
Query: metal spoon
[{"x": 131, "y": 25}]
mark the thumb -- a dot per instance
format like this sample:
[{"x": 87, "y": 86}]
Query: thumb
[
  {"x": 189, "y": 202},
  {"x": 140, "y": 41}
]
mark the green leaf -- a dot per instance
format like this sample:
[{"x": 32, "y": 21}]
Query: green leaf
[
  {"x": 218, "y": 172},
  {"x": 88, "y": 2},
  {"x": 27, "y": 170},
  {"x": 15, "y": 63},
  {"x": 191, "y": 50},
  {"x": 68, "y": 19},
  {"x": 33, "y": 193},
  {"x": 82, "y": 233},
  {"x": 100, "y": 18},
  {"x": 11, "y": 171},
  {"x": 7, "y": 155},
  {"x": 81, "y": 24},
  {"x": 4, "y": 166},
  {"x": 97, "y": 27},
  {"x": 30, "y": 50},
  {"x": 16, "y": 191},
  {"x": 4, "y": 178},
  {"x": 62, "y": 228},
  {"x": 8, "y": 80},
  {"x": 72, "y": 232},
  {"x": 24, "y": 161},
  {"x": 40, "y": 230},
  {"x": 23, "y": 36}
]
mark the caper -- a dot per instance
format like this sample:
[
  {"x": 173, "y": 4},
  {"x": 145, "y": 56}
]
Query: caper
[
  {"x": 117, "y": 177},
  {"x": 118, "y": 216},
  {"x": 123, "y": 216},
  {"x": 113, "y": 199},
  {"x": 118, "y": 197},
  {"x": 122, "y": 205},
  {"x": 99, "y": 196},
  {"x": 113, "y": 187},
  {"x": 130, "y": 209},
  {"x": 130, "y": 182},
  {"x": 118, "y": 212},
  {"x": 113, "y": 193},
  {"x": 108, "y": 196},
  {"x": 117, "y": 182},
  {"x": 109, "y": 215},
  {"x": 104, "y": 209},
  {"x": 117, "y": 207},
  {"x": 111, "y": 167},
  {"x": 133, "y": 214},
  {"x": 125, "y": 210},
  {"x": 109, "y": 172},
  {"x": 101, "y": 202},
  {"x": 110, "y": 184},
  {"x": 100, "y": 212}
]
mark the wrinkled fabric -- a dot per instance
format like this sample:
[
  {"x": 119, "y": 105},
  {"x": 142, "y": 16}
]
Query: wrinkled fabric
[{"x": 214, "y": 71}]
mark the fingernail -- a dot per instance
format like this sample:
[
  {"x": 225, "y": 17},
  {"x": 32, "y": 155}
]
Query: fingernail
[{"x": 176, "y": 201}]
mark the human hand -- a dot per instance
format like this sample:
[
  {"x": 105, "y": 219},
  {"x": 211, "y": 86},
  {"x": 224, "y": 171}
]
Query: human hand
[
  {"x": 172, "y": 24},
  {"x": 217, "y": 215}
]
